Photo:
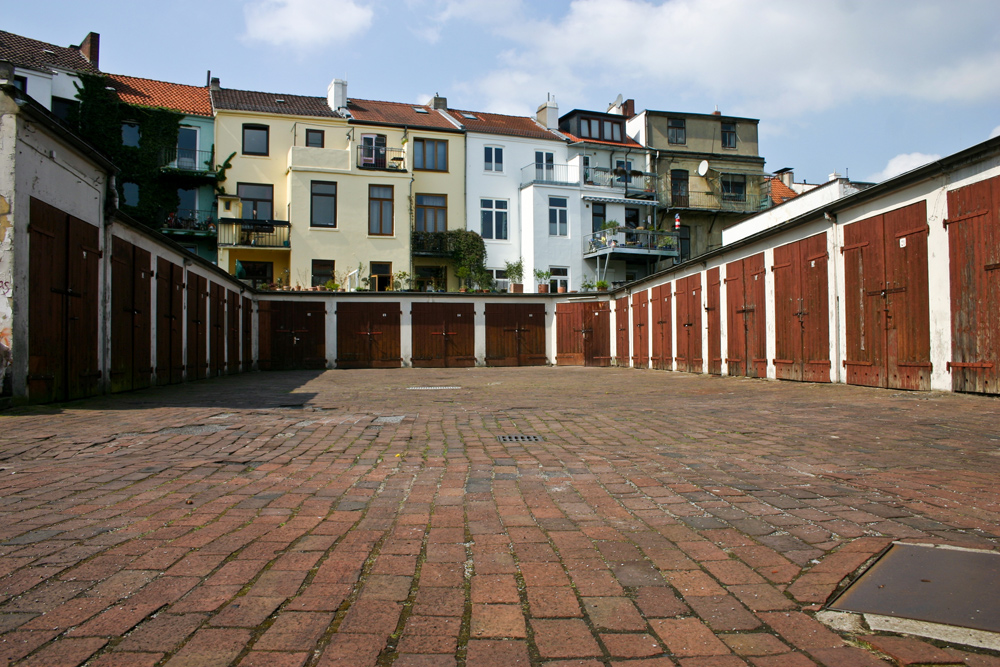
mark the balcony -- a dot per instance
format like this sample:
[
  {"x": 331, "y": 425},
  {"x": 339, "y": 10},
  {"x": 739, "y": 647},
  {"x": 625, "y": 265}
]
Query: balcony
[
  {"x": 745, "y": 202},
  {"x": 620, "y": 242},
  {"x": 381, "y": 158},
  {"x": 430, "y": 244},
  {"x": 636, "y": 184},
  {"x": 189, "y": 221},
  {"x": 308, "y": 158},
  {"x": 550, "y": 174},
  {"x": 188, "y": 161},
  {"x": 253, "y": 233}
]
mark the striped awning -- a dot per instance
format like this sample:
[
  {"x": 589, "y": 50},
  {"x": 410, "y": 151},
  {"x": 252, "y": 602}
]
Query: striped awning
[{"x": 616, "y": 200}]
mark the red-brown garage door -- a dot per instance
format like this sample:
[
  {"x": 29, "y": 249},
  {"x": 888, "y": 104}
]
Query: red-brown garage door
[
  {"x": 747, "y": 317},
  {"x": 197, "y": 326},
  {"x": 217, "y": 329},
  {"x": 801, "y": 311},
  {"x": 974, "y": 253},
  {"x": 688, "y": 303},
  {"x": 640, "y": 329},
  {"x": 515, "y": 334},
  {"x": 443, "y": 335},
  {"x": 662, "y": 333},
  {"x": 368, "y": 334},
  {"x": 131, "y": 360},
  {"x": 298, "y": 335},
  {"x": 886, "y": 300},
  {"x": 713, "y": 315},
  {"x": 169, "y": 322},
  {"x": 583, "y": 334},
  {"x": 622, "y": 327}
]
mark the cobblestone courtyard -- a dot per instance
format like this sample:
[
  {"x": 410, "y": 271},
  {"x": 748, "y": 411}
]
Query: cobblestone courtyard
[{"x": 374, "y": 518}]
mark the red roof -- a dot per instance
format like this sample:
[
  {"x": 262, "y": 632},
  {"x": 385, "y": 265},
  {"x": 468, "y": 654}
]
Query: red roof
[
  {"x": 398, "y": 113},
  {"x": 495, "y": 123},
  {"x": 26, "y": 52},
  {"x": 192, "y": 100},
  {"x": 780, "y": 192},
  {"x": 276, "y": 103},
  {"x": 628, "y": 141}
]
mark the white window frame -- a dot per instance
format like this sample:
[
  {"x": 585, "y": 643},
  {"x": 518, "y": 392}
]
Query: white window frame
[
  {"x": 490, "y": 164},
  {"x": 558, "y": 280},
  {"x": 493, "y": 220},
  {"x": 197, "y": 146},
  {"x": 560, "y": 224}
]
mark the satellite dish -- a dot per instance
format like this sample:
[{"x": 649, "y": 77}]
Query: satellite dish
[
  {"x": 703, "y": 168},
  {"x": 618, "y": 101}
]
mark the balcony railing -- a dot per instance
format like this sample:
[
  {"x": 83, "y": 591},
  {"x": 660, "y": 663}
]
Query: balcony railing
[
  {"x": 625, "y": 241},
  {"x": 380, "y": 157},
  {"x": 748, "y": 202},
  {"x": 635, "y": 183},
  {"x": 187, "y": 219},
  {"x": 253, "y": 233},
  {"x": 184, "y": 159},
  {"x": 561, "y": 174},
  {"x": 430, "y": 244}
]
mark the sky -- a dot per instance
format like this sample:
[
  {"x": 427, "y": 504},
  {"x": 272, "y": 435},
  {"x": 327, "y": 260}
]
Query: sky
[{"x": 866, "y": 88}]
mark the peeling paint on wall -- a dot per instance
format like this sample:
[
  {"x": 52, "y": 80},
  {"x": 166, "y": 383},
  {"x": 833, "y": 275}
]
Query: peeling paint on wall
[{"x": 6, "y": 287}]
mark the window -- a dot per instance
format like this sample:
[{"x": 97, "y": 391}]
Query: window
[
  {"x": 676, "y": 131},
  {"x": 729, "y": 135},
  {"x": 258, "y": 200},
  {"x": 380, "y": 210},
  {"x": 373, "y": 151},
  {"x": 381, "y": 276},
  {"x": 599, "y": 216},
  {"x": 559, "y": 278},
  {"x": 323, "y": 205},
  {"x": 187, "y": 208},
  {"x": 323, "y": 271},
  {"x": 255, "y": 139},
  {"x": 500, "y": 281},
  {"x": 21, "y": 83},
  {"x": 544, "y": 165},
  {"x": 431, "y": 213},
  {"x": 734, "y": 187},
  {"x": 631, "y": 218},
  {"x": 430, "y": 155},
  {"x": 130, "y": 134},
  {"x": 587, "y": 177},
  {"x": 603, "y": 129},
  {"x": 258, "y": 273},
  {"x": 314, "y": 138},
  {"x": 679, "y": 188},
  {"x": 493, "y": 158},
  {"x": 626, "y": 167},
  {"x": 493, "y": 213},
  {"x": 63, "y": 108},
  {"x": 558, "y": 217},
  {"x": 187, "y": 149},
  {"x": 430, "y": 278},
  {"x": 130, "y": 193}
]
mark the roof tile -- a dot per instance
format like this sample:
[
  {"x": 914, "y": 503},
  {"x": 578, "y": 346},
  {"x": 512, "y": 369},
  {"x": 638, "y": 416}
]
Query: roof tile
[
  {"x": 26, "y": 52},
  {"x": 495, "y": 123},
  {"x": 398, "y": 113},
  {"x": 780, "y": 192},
  {"x": 628, "y": 141},
  {"x": 276, "y": 103},
  {"x": 193, "y": 100}
]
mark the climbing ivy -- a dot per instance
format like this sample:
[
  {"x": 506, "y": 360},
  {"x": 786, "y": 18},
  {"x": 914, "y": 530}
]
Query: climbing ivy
[
  {"x": 99, "y": 120},
  {"x": 468, "y": 250}
]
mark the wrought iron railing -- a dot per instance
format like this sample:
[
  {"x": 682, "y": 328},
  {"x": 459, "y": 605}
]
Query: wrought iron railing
[
  {"x": 635, "y": 183},
  {"x": 253, "y": 233},
  {"x": 644, "y": 241},
  {"x": 187, "y": 218},
  {"x": 746, "y": 202},
  {"x": 184, "y": 159},
  {"x": 380, "y": 157}
]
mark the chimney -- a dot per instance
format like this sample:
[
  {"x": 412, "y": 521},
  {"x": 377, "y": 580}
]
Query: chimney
[
  {"x": 628, "y": 108},
  {"x": 6, "y": 72},
  {"x": 439, "y": 102},
  {"x": 336, "y": 94},
  {"x": 214, "y": 84},
  {"x": 90, "y": 48},
  {"x": 716, "y": 112},
  {"x": 788, "y": 177},
  {"x": 548, "y": 113},
  {"x": 834, "y": 176}
]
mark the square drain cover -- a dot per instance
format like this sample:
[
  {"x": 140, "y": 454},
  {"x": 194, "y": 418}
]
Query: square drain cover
[
  {"x": 925, "y": 583},
  {"x": 520, "y": 438}
]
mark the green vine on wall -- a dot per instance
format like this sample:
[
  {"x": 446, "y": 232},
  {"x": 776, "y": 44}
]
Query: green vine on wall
[
  {"x": 99, "y": 120},
  {"x": 468, "y": 251}
]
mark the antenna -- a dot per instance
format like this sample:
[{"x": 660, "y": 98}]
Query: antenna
[
  {"x": 703, "y": 168},
  {"x": 618, "y": 101}
]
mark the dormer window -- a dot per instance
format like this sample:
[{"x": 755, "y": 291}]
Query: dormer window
[
  {"x": 602, "y": 129},
  {"x": 729, "y": 135}
]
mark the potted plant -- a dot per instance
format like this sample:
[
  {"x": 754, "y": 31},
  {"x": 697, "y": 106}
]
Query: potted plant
[
  {"x": 543, "y": 280},
  {"x": 602, "y": 285},
  {"x": 463, "y": 274},
  {"x": 587, "y": 284},
  {"x": 515, "y": 274}
]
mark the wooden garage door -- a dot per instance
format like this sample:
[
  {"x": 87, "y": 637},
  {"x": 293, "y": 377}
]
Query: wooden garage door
[
  {"x": 233, "y": 309},
  {"x": 688, "y": 304},
  {"x": 443, "y": 335},
  {"x": 247, "y": 333},
  {"x": 662, "y": 327},
  {"x": 583, "y": 334},
  {"x": 713, "y": 317},
  {"x": 64, "y": 260},
  {"x": 368, "y": 334},
  {"x": 886, "y": 300},
  {"x": 131, "y": 360},
  {"x": 801, "y": 311},
  {"x": 974, "y": 253},
  {"x": 747, "y": 317},
  {"x": 217, "y": 329},
  {"x": 640, "y": 329},
  {"x": 298, "y": 335},
  {"x": 622, "y": 327},
  {"x": 169, "y": 322},
  {"x": 197, "y": 326},
  {"x": 515, "y": 334}
]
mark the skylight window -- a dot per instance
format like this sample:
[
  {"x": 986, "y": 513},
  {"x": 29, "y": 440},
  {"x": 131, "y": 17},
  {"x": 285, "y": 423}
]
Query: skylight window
[
  {"x": 420, "y": 110},
  {"x": 466, "y": 114}
]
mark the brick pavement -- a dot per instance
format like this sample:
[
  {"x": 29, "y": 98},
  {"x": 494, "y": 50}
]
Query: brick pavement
[{"x": 349, "y": 518}]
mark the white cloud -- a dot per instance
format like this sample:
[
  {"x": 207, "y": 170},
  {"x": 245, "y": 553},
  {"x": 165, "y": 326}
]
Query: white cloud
[
  {"x": 903, "y": 163},
  {"x": 440, "y": 13},
  {"x": 303, "y": 24},
  {"x": 785, "y": 60},
  {"x": 995, "y": 132}
]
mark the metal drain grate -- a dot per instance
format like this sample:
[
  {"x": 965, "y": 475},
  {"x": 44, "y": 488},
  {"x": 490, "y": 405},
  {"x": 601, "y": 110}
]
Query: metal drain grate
[
  {"x": 430, "y": 388},
  {"x": 520, "y": 438},
  {"x": 389, "y": 419}
]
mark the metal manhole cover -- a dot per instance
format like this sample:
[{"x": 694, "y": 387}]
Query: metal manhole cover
[
  {"x": 520, "y": 438},
  {"x": 956, "y": 587},
  {"x": 430, "y": 388}
]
